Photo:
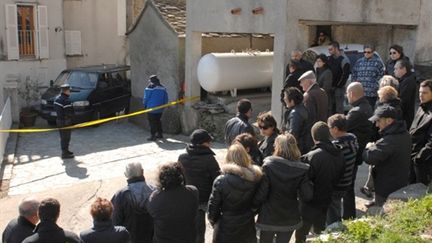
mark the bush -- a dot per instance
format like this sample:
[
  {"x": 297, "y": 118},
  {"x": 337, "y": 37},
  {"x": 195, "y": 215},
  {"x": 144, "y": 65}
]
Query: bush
[{"x": 404, "y": 223}]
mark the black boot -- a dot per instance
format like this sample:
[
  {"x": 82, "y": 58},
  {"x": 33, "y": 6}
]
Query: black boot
[
  {"x": 152, "y": 138},
  {"x": 159, "y": 135},
  {"x": 66, "y": 154}
]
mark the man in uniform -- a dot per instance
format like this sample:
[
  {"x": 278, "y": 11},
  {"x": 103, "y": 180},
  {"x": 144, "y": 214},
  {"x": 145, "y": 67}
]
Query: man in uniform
[{"x": 64, "y": 109}]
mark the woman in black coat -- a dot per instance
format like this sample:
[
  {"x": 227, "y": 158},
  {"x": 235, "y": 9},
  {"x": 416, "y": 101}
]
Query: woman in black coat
[
  {"x": 268, "y": 129},
  {"x": 230, "y": 204},
  {"x": 173, "y": 207},
  {"x": 284, "y": 179},
  {"x": 396, "y": 53},
  {"x": 325, "y": 78}
]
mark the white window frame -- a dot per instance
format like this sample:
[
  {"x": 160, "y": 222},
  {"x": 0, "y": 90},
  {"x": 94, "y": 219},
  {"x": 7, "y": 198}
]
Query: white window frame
[{"x": 37, "y": 37}]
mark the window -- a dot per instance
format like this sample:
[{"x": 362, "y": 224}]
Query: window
[{"x": 26, "y": 31}]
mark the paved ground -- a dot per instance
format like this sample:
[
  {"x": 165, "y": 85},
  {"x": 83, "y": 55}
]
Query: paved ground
[{"x": 97, "y": 170}]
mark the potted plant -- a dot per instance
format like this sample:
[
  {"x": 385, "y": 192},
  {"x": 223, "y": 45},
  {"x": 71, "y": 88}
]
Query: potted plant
[{"x": 29, "y": 92}]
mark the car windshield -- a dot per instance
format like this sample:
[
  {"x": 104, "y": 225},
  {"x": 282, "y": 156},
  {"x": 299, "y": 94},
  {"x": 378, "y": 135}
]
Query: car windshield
[{"x": 78, "y": 79}]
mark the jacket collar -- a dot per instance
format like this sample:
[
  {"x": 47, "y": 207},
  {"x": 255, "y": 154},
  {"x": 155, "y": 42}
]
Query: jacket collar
[
  {"x": 359, "y": 101},
  {"x": 198, "y": 149},
  {"x": 426, "y": 107},
  {"x": 251, "y": 173},
  {"x": 46, "y": 226},
  {"x": 396, "y": 127},
  {"x": 102, "y": 225},
  {"x": 242, "y": 117},
  {"x": 23, "y": 221},
  {"x": 135, "y": 179}
]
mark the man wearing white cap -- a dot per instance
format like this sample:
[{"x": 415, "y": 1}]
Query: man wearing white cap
[{"x": 315, "y": 98}]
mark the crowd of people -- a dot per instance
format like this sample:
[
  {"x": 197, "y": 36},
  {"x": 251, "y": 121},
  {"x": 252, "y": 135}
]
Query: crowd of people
[{"x": 299, "y": 178}]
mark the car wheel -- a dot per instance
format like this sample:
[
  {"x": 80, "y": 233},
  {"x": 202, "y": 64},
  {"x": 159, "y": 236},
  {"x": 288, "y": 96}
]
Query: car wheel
[{"x": 51, "y": 123}]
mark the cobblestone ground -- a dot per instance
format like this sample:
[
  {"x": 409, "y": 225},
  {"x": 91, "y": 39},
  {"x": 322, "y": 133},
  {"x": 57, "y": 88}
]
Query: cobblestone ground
[{"x": 97, "y": 170}]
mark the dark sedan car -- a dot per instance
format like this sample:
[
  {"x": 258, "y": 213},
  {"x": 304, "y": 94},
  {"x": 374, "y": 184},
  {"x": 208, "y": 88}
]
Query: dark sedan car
[{"x": 96, "y": 92}]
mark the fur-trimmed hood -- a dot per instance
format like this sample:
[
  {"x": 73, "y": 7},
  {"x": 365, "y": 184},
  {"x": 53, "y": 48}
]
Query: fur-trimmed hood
[{"x": 252, "y": 173}]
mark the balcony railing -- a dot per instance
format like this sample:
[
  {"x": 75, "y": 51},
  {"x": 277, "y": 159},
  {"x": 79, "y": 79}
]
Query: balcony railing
[{"x": 27, "y": 42}]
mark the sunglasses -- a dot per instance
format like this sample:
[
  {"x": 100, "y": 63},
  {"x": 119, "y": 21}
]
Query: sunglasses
[
  {"x": 392, "y": 53},
  {"x": 263, "y": 127},
  {"x": 367, "y": 52}
]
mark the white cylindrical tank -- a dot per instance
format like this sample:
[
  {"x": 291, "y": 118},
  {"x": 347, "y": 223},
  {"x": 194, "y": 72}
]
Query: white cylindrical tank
[{"x": 229, "y": 71}]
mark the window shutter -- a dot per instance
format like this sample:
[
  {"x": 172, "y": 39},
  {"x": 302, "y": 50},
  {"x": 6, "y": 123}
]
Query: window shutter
[
  {"x": 43, "y": 32},
  {"x": 12, "y": 32},
  {"x": 73, "y": 42}
]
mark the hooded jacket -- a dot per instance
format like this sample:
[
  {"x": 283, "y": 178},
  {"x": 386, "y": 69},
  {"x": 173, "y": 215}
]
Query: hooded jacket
[
  {"x": 131, "y": 212},
  {"x": 155, "y": 95},
  {"x": 391, "y": 157},
  {"x": 230, "y": 204},
  {"x": 277, "y": 195},
  {"x": 200, "y": 168},
  {"x": 326, "y": 168}
]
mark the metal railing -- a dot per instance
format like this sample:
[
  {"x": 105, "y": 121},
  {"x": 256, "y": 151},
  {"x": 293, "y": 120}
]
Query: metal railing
[{"x": 27, "y": 42}]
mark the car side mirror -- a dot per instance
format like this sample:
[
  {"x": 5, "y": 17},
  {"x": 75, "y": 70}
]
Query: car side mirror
[{"x": 51, "y": 83}]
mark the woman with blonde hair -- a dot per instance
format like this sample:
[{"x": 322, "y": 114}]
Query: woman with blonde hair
[
  {"x": 287, "y": 177},
  {"x": 230, "y": 204}
]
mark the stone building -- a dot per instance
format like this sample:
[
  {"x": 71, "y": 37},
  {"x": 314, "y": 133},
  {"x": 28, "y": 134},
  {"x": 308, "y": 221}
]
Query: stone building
[
  {"x": 295, "y": 23},
  {"x": 157, "y": 46}
]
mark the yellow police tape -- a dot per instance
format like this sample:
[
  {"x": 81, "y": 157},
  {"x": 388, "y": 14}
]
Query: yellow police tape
[{"x": 100, "y": 121}]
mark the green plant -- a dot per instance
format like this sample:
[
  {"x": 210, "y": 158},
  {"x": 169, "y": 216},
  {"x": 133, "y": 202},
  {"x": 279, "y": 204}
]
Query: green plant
[{"x": 364, "y": 230}]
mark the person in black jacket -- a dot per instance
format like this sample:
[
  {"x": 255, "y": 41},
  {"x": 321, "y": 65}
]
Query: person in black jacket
[
  {"x": 130, "y": 202},
  {"x": 20, "y": 228},
  {"x": 65, "y": 112},
  {"x": 407, "y": 89},
  {"x": 201, "y": 169},
  {"x": 250, "y": 143},
  {"x": 390, "y": 155},
  {"x": 103, "y": 230},
  {"x": 174, "y": 207},
  {"x": 48, "y": 230},
  {"x": 297, "y": 120},
  {"x": 231, "y": 201},
  {"x": 340, "y": 66},
  {"x": 268, "y": 128},
  {"x": 285, "y": 177},
  {"x": 359, "y": 125},
  {"x": 326, "y": 168},
  {"x": 421, "y": 134},
  {"x": 348, "y": 144},
  {"x": 239, "y": 124},
  {"x": 305, "y": 66}
]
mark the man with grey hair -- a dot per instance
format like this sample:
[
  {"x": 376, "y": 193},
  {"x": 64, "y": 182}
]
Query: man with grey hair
[
  {"x": 20, "y": 228},
  {"x": 297, "y": 55},
  {"x": 130, "y": 205},
  {"x": 315, "y": 98}
]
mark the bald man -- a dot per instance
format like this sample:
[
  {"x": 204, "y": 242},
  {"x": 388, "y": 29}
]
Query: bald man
[
  {"x": 297, "y": 56},
  {"x": 359, "y": 125},
  {"x": 20, "y": 228}
]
